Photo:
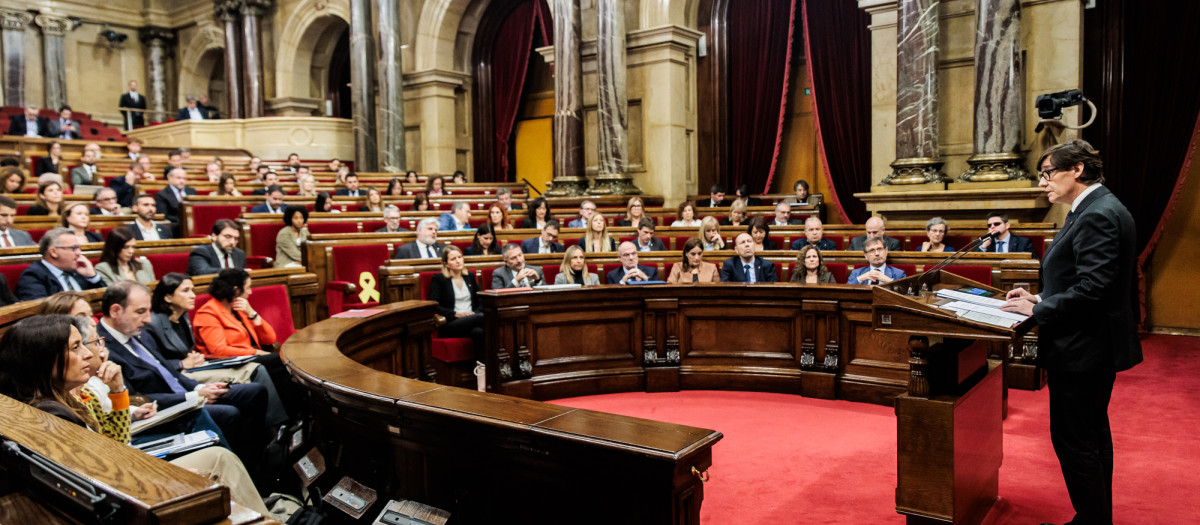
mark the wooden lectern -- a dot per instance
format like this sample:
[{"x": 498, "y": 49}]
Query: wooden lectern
[{"x": 949, "y": 431}]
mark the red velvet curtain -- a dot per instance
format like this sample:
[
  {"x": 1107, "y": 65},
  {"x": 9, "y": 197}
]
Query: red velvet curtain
[
  {"x": 1141, "y": 73},
  {"x": 528, "y": 22},
  {"x": 837, "y": 46},
  {"x": 760, "y": 51}
]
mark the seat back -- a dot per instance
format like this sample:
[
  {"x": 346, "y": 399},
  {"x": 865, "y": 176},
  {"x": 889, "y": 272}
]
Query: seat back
[
  {"x": 349, "y": 262},
  {"x": 485, "y": 281},
  {"x": 839, "y": 270},
  {"x": 165, "y": 263},
  {"x": 263, "y": 235},
  {"x": 12, "y": 272},
  {"x": 1039, "y": 244},
  {"x": 838, "y": 241},
  {"x": 273, "y": 304},
  {"x": 203, "y": 218},
  {"x": 978, "y": 273},
  {"x": 333, "y": 227},
  {"x": 604, "y": 272}
]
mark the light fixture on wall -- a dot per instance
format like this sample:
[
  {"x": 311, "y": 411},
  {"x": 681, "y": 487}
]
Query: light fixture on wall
[{"x": 114, "y": 37}]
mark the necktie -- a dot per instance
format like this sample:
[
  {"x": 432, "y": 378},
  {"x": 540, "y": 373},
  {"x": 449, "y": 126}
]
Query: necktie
[
  {"x": 749, "y": 274},
  {"x": 428, "y": 250},
  {"x": 1070, "y": 220},
  {"x": 1000, "y": 246},
  {"x": 145, "y": 355},
  {"x": 7, "y": 240},
  {"x": 228, "y": 263},
  {"x": 66, "y": 281}
]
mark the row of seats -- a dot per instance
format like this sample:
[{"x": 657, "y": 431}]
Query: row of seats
[{"x": 163, "y": 264}]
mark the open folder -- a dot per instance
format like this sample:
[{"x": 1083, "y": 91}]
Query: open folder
[{"x": 166, "y": 415}]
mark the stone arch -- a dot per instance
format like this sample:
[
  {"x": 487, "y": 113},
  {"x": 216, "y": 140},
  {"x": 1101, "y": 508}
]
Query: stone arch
[
  {"x": 438, "y": 34},
  {"x": 312, "y": 30},
  {"x": 656, "y": 13},
  {"x": 197, "y": 63}
]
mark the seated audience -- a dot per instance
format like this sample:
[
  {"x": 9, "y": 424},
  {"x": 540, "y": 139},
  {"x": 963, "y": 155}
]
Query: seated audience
[
  {"x": 260, "y": 175},
  {"x": 253, "y": 165},
  {"x": 124, "y": 186},
  {"x": 420, "y": 202},
  {"x": 334, "y": 165},
  {"x": 302, "y": 172},
  {"x": 514, "y": 273},
  {"x": 538, "y": 214},
  {"x": 716, "y": 198},
  {"x": 62, "y": 267},
  {"x": 76, "y": 218},
  {"x": 293, "y": 235},
  {"x": 351, "y": 188},
  {"x": 133, "y": 148},
  {"x": 630, "y": 270},
  {"x": 498, "y": 217},
  {"x": 9, "y": 236},
  {"x": 426, "y": 245},
  {"x": 746, "y": 267},
  {"x": 743, "y": 194},
  {"x": 574, "y": 269},
  {"x": 192, "y": 110},
  {"x": 737, "y": 214},
  {"x": 169, "y": 200},
  {"x": 395, "y": 187},
  {"x": 308, "y": 186},
  {"x": 227, "y": 185},
  {"x": 64, "y": 127},
  {"x": 391, "y": 220},
  {"x": 935, "y": 229},
  {"x": 94, "y": 148},
  {"x": 221, "y": 254},
  {"x": 411, "y": 177},
  {"x": 597, "y": 239},
  {"x": 810, "y": 267},
  {"x": 759, "y": 231},
  {"x": 455, "y": 292},
  {"x": 269, "y": 179},
  {"x": 228, "y": 326},
  {"x": 814, "y": 233},
  {"x": 1006, "y": 241},
  {"x": 692, "y": 268},
  {"x": 646, "y": 241},
  {"x": 212, "y": 171},
  {"x": 433, "y": 186},
  {"x": 28, "y": 124},
  {"x": 274, "y": 202},
  {"x": 374, "y": 201},
  {"x": 49, "y": 200},
  {"x": 783, "y": 216},
  {"x": 801, "y": 196},
  {"x": 293, "y": 163},
  {"x": 147, "y": 174},
  {"x": 685, "y": 216},
  {"x": 52, "y": 161},
  {"x": 635, "y": 209},
  {"x": 174, "y": 161},
  {"x": 458, "y": 178},
  {"x": 586, "y": 209},
  {"x": 51, "y": 177},
  {"x": 484, "y": 242},
  {"x": 546, "y": 242},
  {"x": 710, "y": 233},
  {"x": 85, "y": 173},
  {"x": 324, "y": 203},
  {"x": 14, "y": 179},
  {"x": 144, "y": 228},
  {"x": 875, "y": 230},
  {"x": 173, "y": 298},
  {"x": 504, "y": 197},
  {"x": 455, "y": 219},
  {"x": 104, "y": 202},
  {"x": 877, "y": 271},
  {"x": 117, "y": 261}
]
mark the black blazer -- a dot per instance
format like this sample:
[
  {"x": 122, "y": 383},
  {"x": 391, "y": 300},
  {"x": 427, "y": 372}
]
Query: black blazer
[
  {"x": 656, "y": 245},
  {"x": 37, "y": 282},
  {"x": 612, "y": 244},
  {"x": 732, "y": 272},
  {"x": 170, "y": 346},
  {"x": 184, "y": 114},
  {"x": 823, "y": 244},
  {"x": 532, "y": 245},
  {"x": 1085, "y": 319},
  {"x": 708, "y": 203},
  {"x": 345, "y": 192},
  {"x": 1016, "y": 243},
  {"x": 141, "y": 377},
  {"x": 409, "y": 251},
  {"x": 203, "y": 260},
  {"x": 168, "y": 205},
  {"x": 470, "y": 250},
  {"x": 127, "y": 102},
  {"x": 17, "y": 125},
  {"x": 93, "y": 236},
  {"x": 614, "y": 277},
  {"x": 124, "y": 191},
  {"x": 45, "y": 165},
  {"x": 164, "y": 231},
  {"x": 441, "y": 291},
  {"x": 37, "y": 209}
]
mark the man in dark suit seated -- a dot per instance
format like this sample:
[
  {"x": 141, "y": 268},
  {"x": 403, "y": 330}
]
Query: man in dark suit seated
[
  {"x": 28, "y": 124},
  {"x": 1006, "y": 242},
  {"x": 63, "y": 127},
  {"x": 504, "y": 197},
  {"x": 223, "y": 253},
  {"x": 104, "y": 202},
  {"x": 134, "y": 100},
  {"x": 877, "y": 271},
  {"x": 8, "y": 236},
  {"x": 192, "y": 110},
  {"x": 391, "y": 220},
  {"x": 174, "y": 161},
  {"x": 646, "y": 241},
  {"x": 814, "y": 232},
  {"x": 351, "y": 189},
  {"x": 269, "y": 179},
  {"x": 747, "y": 267},
  {"x": 170, "y": 199},
  {"x": 630, "y": 270},
  {"x": 63, "y": 267},
  {"x": 124, "y": 186},
  {"x": 239, "y": 410},
  {"x": 875, "y": 230},
  {"x": 293, "y": 163},
  {"x": 274, "y": 202},
  {"x": 458, "y": 218},
  {"x": 716, "y": 198},
  {"x": 544, "y": 243},
  {"x": 514, "y": 273},
  {"x": 1087, "y": 329},
  {"x": 144, "y": 228},
  {"x": 743, "y": 194},
  {"x": 426, "y": 245},
  {"x": 783, "y": 216}
]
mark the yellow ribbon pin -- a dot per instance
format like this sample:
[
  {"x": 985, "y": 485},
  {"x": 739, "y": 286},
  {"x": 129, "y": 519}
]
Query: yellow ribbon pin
[{"x": 366, "y": 281}]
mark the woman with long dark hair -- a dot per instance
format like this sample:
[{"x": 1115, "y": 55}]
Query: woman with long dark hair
[
  {"x": 810, "y": 267},
  {"x": 117, "y": 262},
  {"x": 539, "y": 214},
  {"x": 484, "y": 243}
]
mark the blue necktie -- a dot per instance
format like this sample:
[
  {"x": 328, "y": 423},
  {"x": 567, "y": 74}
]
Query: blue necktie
[
  {"x": 749, "y": 274},
  {"x": 66, "y": 281},
  {"x": 141, "y": 352},
  {"x": 1000, "y": 246}
]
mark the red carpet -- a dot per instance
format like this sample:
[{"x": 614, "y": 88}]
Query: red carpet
[{"x": 788, "y": 459}]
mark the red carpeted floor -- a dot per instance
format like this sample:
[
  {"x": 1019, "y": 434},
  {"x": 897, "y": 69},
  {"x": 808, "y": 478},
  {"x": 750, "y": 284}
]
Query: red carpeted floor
[{"x": 789, "y": 459}]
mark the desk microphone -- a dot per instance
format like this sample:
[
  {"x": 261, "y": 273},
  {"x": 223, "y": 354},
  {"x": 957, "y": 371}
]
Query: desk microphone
[{"x": 916, "y": 290}]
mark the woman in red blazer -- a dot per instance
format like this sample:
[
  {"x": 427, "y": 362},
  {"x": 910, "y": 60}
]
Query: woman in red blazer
[{"x": 227, "y": 325}]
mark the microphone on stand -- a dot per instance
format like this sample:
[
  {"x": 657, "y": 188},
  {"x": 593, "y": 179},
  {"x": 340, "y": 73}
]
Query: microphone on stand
[{"x": 916, "y": 290}]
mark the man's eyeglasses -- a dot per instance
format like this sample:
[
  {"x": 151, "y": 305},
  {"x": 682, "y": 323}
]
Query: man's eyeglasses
[
  {"x": 1048, "y": 174},
  {"x": 75, "y": 248},
  {"x": 994, "y": 224}
]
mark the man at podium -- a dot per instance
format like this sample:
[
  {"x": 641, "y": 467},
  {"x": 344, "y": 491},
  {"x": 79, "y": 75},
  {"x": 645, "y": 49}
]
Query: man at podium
[{"x": 1086, "y": 331}]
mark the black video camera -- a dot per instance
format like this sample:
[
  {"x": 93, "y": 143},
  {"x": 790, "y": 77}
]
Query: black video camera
[{"x": 1051, "y": 105}]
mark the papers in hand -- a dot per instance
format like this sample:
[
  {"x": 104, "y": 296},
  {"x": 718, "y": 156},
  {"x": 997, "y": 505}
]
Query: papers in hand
[
  {"x": 179, "y": 444},
  {"x": 165, "y": 415},
  {"x": 228, "y": 362}
]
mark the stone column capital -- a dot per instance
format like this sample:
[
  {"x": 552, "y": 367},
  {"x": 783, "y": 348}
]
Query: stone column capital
[
  {"x": 53, "y": 24},
  {"x": 227, "y": 10},
  {"x": 256, "y": 8},
  {"x": 156, "y": 36},
  {"x": 14, "y": 20}
]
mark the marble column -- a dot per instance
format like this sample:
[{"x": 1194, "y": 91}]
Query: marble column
[
  {"x": 613, "y": 177},
  {"x": 917, "y": 154},
  {"x": 12, "y": 37},
  {"x": 229, "y": 13},
  {"x": 998, "y": 84},
  {"x": 362, "y": 86},
  {"x": 569, "y": 178},
  {"x": 252, "y": 13},
  {"x": 54, "y": 60},
  {"x": 157, "y": 41},
  {"x": 390, "y": 127}
]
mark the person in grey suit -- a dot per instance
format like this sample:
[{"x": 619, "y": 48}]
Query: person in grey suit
[
  {"x": 426, "y": 246},
  {"x": 223, "y": 253},
  {"x": 63, "y": 127},
  {"x": 514, "y": 273},
  {"x": 117, "y": 262},
  {"x": 1087, "y": 329},
  {"x": 85, "y": 174},
  {"x": 8, "y": 236},
  {"x": 62, "y": 266},
  {"x": 875, "y": 228}
]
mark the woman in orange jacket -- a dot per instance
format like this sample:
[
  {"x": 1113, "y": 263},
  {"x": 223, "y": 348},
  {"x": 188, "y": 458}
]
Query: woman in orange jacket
[{"x": 227, "y": 325}]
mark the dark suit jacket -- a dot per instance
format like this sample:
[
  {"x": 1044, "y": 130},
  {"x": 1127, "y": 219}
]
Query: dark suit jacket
[
  {"x": 37, "y": 282},
  {"x": 614, "y": 277},
  {"x": 823, "y": 244},
  {"x": 7, "y": 297},
  {"x": 168, "y": 205},
  {"x": 123, "y": 189},
  {"x": 184, "y": 114},
  {"x": 346, "y": 192},
  {"x": 384, "y": 230},
  {"x": 54, "y": 129},
  {"x": 892, "y": 244},
  {"x": 164, "y": 231},
  {"x": 1016, "y": 243},
  {"x": 203, "y": 260},
  {"x": 753, "y": 201},
  {"x": 170, "y": 346},
  {"x": 45, "y": 165},
  {"x": 707, "y": 203},
  {"x": 262, "y": 208},
  {"x": 141, "y": 377},
  {"x": 93, "y": 236},
  {"x": 656, "y": 245},
  {"x": 441, "y": 291},
  {"x": 531, "y": 246},
  {"x": 127, "y": 102},
  {"x": 612, "y": 243},
  {"x": 732, "y": 271},
  {"x": 409, "y": 251},
  {"x": 503, "y": 276},
  {"x": 1085, "y": 319},
  {"x": 17, "y": 125}
]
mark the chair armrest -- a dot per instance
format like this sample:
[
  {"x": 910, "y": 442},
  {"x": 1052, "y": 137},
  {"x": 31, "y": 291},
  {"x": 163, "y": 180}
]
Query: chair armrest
[{"x": 341, "y": 286}]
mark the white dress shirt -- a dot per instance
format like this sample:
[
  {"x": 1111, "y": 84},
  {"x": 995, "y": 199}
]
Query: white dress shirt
[
  {"x": 150, "y": 234},
  {"x": 194, "y": 114}
]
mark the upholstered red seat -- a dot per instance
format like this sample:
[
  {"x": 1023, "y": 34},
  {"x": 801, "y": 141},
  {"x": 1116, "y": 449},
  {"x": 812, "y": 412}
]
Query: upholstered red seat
[
  {"x": 347, "y": 265},
  {"x": 274, "y": 305},
  {"x": 451, "y": 349},
  {"x": 262, "y": 236},
  {"x": 977, "y": 273},
  {"x": 461, "y": 245},
  {"x": 332, "y": 227},
  {"x": 12, "y": 272},
  {"x": 1039, "y": 244},
  {"x": 370, "y": 226},
  {"x": 953, "y": 241},
  {"x": 36, "y": 234},
  {"x": 839, "y": 271},
  {"x": 838, "y": 241},
  {"x": 203, "y": 218},
  {"x": 485, "y": 281},
  {"x": 165, "y": 263}
]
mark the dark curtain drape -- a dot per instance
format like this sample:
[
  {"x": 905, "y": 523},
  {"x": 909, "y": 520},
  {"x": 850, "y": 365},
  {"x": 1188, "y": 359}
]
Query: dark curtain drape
[
  {"x": 528, "y": 23},
  {"x": 837, "y": 46},
  {"x": 760, "y": 49},
  {"x": 1141, "y": 73}
]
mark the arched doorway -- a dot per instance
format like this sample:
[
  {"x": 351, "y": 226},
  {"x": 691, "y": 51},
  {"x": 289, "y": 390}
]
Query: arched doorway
[
  {"x": 312, "y": 65},
  {"x": 212, "y": 72},
  {"x": 337, "y": 89}
]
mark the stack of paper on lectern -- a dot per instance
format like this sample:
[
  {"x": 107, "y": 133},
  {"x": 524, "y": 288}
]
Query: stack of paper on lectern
[{"x": 979, "y": 309}]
